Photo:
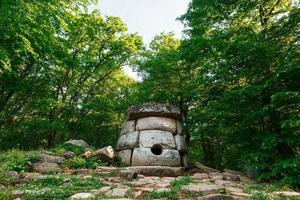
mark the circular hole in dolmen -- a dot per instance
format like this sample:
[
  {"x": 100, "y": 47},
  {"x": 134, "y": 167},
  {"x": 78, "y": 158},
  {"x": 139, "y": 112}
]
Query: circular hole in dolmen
[{"x": 156, "y": 149}]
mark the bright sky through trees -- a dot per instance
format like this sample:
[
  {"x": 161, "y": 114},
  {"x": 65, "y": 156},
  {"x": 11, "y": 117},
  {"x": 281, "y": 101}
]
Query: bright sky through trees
[{"x": 147, "y": 17}]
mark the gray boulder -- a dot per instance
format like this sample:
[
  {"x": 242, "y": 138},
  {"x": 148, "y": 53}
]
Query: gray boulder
[
  {"x": 80, "y": 143},
  {"x": 83, "y": 195},
  {"x": 105, "y": 153},
  {"x": 125, "y": 157},
  {"x": 153, "y": 109},
  {"x": 45, "y": 167},
  {"x": 51, "y": 159}
]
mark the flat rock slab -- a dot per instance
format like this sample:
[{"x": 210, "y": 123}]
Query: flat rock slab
[
  {"x": 216, "y": 197},
  {"x": 144, "y": 157},
  {"x": 118, "y": 192},
  {"x": 128, "y": 141},
  {"x": 157, "y": 123},
  {"x": 153, "y": 109},
  {"x": 155, "y": 137},
  {"x": 51, "y": 159},
  {"x": 288, "y": 194},
  {"x": 161, "y": 171},
  {"x": 81, "y": 196},
  {"x": 203, "y": 189},
  {"x": 45, "y": 167},
  {"x": 80, "y": 143}
]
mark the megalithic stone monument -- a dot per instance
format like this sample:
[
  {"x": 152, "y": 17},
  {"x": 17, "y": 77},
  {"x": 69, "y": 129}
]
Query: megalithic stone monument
[{"x": 152, "y": 136}]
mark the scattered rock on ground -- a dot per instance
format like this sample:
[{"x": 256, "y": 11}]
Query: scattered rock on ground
[
  {"x": 69, "y": 154},
  {"x": 216, "y": 197},
  {"x": 105, "y": 154},
  {"x": 83, "y": 195},
  {"x": 288, "y": 194},
  {"x": 159, "y": 171},
  {"x": 118, "y": 192},
  {"x": 128, "y": 174},
  {"x": 80, "y": 143},
  {"x": 204, "y": 168},
  {"x": 45, "y": 167},
  {"x": 51, "y": 159},
  {"x": 204, "y": 189}
]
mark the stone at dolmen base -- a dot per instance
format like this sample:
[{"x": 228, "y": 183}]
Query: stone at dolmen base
[
  {"x": 155, "y": 137},
  {"x": 161, "y": 171},
  {"x": 125, "y": 156},
  {"x": 144, "y": 156},
  {"x": 153, "y": 109}
]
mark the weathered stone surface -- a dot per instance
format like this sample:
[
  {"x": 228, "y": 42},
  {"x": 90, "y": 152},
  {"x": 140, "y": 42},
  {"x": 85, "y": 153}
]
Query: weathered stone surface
[
  {"x": 288, "y": 194},
  {"x": 51, "y": 159},
  {"x": 231, "y": 177},
  {"x": 185, "y": 161},
  {"x": 69, "y": 154},
  {"x": 80, "y": 143},
  {"x": 102, "y": 190},
  {"x": 204, "y": 168},
  {"x": 200, "y": 176},
  {"x": 12, "y": 175},
  {"x": 155, "y": 137},
  {"x": 125, "y": 157},
  {"x": 118, "y": 192},
  {"x": 180, "y": 143},
  {"x": 179, "y": 128},
  {"x": 216, "y": 197},
  {"x": 216, "y": 176},
  {"x": 156, "y": 123},
  {"x": 105, "y": 153},
  {"x": 128, "y": 141},
  {"x": 83, "y": 195},
  {"x": 127, "y": 127},
  {"x": 128, "y": 174},
  {"x": 204, "y": 189},
  {"x": 144, "y": 157},
  {"x": 153, "y": 109},
  {"x": 17, "y": 194},
  {"x": 44, "y": 167},
  {"x": 161, "y": 171}
]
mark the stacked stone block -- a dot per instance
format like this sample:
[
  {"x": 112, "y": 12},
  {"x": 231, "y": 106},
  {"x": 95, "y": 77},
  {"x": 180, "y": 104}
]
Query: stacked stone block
[{"x": 152, "y": 136}]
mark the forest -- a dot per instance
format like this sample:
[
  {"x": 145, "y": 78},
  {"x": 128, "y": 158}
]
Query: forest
[{"x": 235, "y": 75}]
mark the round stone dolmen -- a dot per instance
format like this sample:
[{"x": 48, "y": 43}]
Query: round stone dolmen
[{"x": 152, "y": 136}]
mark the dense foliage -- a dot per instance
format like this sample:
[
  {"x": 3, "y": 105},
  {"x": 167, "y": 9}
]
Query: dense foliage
[
  {"x": 235, "y": 77},
  {"x": 60, "y": 73}
]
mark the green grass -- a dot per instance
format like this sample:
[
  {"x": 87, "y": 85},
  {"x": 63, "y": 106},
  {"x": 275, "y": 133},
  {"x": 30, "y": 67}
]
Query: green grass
[{"x": 58, "y": 187}]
